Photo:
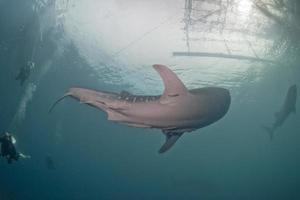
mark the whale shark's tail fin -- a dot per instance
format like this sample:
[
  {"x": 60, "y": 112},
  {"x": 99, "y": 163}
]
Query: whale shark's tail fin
[
  {"x": 56, "y": 102},
  {"x": 269, "y": 130},
  {"x": 171, "y": 139}
]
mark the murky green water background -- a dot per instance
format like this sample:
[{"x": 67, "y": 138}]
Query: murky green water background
[{"x": 111, "y": 45}]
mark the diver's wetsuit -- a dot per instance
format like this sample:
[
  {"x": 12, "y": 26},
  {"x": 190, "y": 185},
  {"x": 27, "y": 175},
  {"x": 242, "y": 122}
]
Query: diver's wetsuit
[{"x": 8, "y": 149}]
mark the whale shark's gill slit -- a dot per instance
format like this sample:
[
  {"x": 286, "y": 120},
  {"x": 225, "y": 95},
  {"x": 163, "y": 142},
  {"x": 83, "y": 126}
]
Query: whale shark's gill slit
[
  {"x": 173, "y": 95},
  {"x": 102, "y": 102},
  {"x": 116, "y": 109}
]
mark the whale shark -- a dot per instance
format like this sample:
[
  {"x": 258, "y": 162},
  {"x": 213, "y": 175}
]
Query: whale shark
[
  {"x": 288, "y": 107},
  {"x": 176, "y": 111}
]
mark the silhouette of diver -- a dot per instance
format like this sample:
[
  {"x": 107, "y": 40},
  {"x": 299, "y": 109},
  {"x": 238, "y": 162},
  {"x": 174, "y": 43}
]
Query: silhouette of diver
[
  {"x": 24, "y": 72},
  {"x": 8, "y": 149}
]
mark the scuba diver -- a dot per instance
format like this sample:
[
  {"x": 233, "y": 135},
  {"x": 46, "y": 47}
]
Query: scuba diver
[
  {"x": 8, "y": 149},
  {"x": 25, "y": 71}
]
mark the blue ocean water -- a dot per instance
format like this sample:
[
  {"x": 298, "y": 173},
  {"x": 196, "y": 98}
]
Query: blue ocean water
[{"x": 111, "y": 46}]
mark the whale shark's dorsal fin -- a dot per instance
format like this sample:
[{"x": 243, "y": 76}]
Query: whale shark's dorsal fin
[{"x": 173, "y": 85}]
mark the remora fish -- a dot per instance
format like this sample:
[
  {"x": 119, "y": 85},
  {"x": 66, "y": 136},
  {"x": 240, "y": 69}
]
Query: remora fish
[{"x": 176, "y": 111}]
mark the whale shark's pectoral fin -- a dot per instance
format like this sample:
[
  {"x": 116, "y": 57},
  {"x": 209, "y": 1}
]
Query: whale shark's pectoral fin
[
  {"x": 171, "y": 139},
  {"x": 173, "y": 85}
]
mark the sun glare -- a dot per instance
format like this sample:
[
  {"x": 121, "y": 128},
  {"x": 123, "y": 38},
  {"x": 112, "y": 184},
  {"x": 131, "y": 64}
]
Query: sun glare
[{"x": 244, "y": 9}]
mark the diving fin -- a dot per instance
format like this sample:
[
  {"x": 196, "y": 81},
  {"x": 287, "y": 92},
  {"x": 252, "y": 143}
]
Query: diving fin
[{"x": 171, "y": 139}]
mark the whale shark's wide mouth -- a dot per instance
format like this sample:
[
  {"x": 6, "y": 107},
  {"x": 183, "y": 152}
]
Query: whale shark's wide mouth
[
  {"x": 223, "y": 99},
  {"x": 221, "y": 96}
]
